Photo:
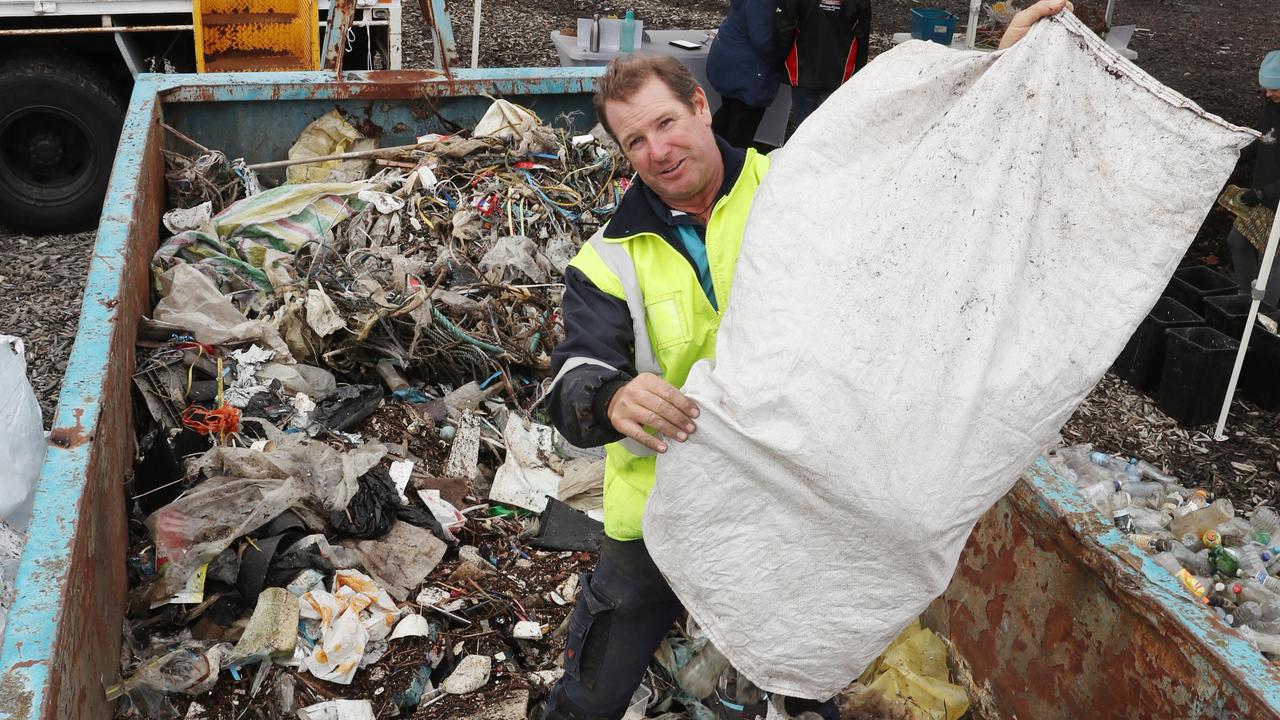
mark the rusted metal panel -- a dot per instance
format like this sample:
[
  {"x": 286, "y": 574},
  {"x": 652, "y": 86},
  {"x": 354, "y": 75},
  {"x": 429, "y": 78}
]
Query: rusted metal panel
[
  {"x": 63, "y": 633},
  {"x": 341, "y": 15},
  {"x": 256, "y": 35},
  {"x": 1056, "y": 615}
]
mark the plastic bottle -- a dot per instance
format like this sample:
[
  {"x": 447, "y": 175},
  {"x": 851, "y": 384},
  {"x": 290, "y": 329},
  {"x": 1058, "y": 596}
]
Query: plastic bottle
[
  {"x": 1266, "y": 520},
  {"x": 1137, "y": 488},
  {"x": 1225, "y": 562},
  {"x": 1264, "y": 642},
  {"x": 1150, "y": 543},
  {"x": 1203, "y": 519},
  {"x": 1098, "y": 494},
  {"x": 1116, "y": 463},
  {"x": 1076, "y": 454},
  {"x": 1193, "y": 561},
  {"x": 1196, "y": 501},
  {"x": 1148, "y": 520},
  {"x": 190, "y": 670},
  {"x": 1151, "y": 472},
  {"x": 627, "y": 43},
  {"x": 1248, "y": 611},
  {"x": 1248, "y": 557},
  {"x": 702, "y": 673},
  {"x": 593, "y": 43},
  {"x": 1120, "y": 512},
  {"x": 1235, "y": 532},
  {"x": 1174, "y": 568}
]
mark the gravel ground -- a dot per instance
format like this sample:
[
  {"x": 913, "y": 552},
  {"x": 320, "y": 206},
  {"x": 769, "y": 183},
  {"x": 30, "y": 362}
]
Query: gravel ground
[{"x": 41, "y": 279}]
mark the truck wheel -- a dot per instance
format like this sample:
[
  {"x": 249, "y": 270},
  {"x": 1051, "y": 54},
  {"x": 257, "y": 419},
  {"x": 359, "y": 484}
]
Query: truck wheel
[{"x": 59, "y": 124}]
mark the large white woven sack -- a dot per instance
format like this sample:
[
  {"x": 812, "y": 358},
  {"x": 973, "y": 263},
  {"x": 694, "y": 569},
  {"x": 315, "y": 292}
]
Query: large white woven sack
[{"x": 940, "y": 264}]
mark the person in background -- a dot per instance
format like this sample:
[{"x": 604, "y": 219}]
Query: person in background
[
  {"x": 743, "y": 66},
  {"x": 1265, "y": 189},
  {"x": 828, "y": 42}
]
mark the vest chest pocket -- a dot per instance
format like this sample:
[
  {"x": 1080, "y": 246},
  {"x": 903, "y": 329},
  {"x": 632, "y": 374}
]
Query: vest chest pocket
[{"x": 668, "y": 320}]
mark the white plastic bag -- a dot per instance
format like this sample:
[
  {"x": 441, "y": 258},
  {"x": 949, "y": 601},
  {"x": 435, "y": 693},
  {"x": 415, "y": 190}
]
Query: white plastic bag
[
  {"x": 22, "y": 443},
  {"x": 938, "y": 267}
]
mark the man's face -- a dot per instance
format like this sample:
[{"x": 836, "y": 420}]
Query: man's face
[
  {"x": 670, "y": 145},
  {"x": 1272, "y": 95}
]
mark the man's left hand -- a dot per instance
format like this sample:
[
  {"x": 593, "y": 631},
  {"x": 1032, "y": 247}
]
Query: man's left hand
[{"x": 1027, "y": 17}]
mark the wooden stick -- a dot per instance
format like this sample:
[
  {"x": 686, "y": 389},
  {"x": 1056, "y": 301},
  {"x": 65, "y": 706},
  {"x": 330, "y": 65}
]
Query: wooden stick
[{"x": 339, "y": 156}]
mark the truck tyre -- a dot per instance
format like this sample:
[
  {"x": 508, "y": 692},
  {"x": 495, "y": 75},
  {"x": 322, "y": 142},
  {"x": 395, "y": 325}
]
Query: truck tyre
[{"x": 59, "y": 124}]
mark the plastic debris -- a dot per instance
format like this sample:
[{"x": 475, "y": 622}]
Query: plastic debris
[
  {"x": 470, "y": 675},
  {"x": 338, "y": 710}
]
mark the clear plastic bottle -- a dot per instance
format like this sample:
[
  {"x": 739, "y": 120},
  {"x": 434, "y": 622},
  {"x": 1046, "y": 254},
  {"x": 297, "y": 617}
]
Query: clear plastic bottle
[
  {"x": 1194, "y": 561},
  {"x": 1203, "y": 519},
  {"x": 1099, "y": 494},
  {"x": 1197, "y": 500},
  {"x": 1120, "y": 512},
  {"x": 1148, "y": 520},
  {"x": 1264, "y": 642},
  {"x": 190, "y": 670},
  {"x": 1248, "y": 611},
  {"x": 1248, "y": 557},
  {"x": 1138, "y": 488},
  {"x": 1235, "y": 532},
  {"x": 1174, "y": 568},
  {"x": 1265, "y": 519},
  {"x": 1151, "y": 472},
  {"x": 701, "y": 674},
  {"x": 1150, "y": 543},
  {"x": 1116, "y": 463}
]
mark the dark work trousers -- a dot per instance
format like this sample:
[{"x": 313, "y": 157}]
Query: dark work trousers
[
  {"x": 805, "y": 100},
  {"x": 624, "y": 611},
  {"x": 736, "y": 122},
  {"x": 1248, "y": 263}
]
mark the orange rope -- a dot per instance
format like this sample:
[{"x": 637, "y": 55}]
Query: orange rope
[{"x": 222, "y": 420}]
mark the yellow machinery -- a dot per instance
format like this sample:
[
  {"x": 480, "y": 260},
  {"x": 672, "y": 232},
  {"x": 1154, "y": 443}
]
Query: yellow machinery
[{"x": 256, "y": 35}]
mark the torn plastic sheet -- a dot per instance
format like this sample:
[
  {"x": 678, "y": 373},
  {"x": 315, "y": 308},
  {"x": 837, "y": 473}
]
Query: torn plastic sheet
[
  {"x": 195, "y": 303},
  {"x": 524, "y": 479},
  {"x": 338, "y": 710},
  {"x": 515, "y": 258}
]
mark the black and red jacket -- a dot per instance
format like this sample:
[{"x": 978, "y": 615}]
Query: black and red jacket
[{"x": 828, "y": 39}]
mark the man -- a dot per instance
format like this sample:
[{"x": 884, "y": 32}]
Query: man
[
  {"x": 643, "y": 301},
  {"x": 1265, "y": 189},
  {"x": 829, "y": 42}
]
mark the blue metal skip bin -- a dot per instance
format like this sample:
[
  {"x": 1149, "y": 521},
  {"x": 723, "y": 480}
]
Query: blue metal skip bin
[
  {"x": 62, "y": 640},
  {"x": 1052, "y": 613}
]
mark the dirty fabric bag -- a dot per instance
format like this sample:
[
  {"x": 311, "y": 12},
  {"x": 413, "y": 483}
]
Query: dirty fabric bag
[
  {"x": 916, "y": 312},
  {"x": 22, "y": 443}
]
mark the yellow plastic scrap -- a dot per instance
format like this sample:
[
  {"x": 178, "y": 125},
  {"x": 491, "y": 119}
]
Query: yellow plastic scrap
[
  {"x": 328, "y": 134},
  {"x": 913, "y": 669}
]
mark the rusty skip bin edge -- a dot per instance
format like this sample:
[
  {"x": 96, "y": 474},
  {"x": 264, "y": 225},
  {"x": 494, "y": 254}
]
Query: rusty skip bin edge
[{"x": 1058, "y": 615}]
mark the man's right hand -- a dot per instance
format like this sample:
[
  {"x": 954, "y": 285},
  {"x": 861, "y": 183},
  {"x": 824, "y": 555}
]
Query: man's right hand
[{"x": 649, "y": 400}]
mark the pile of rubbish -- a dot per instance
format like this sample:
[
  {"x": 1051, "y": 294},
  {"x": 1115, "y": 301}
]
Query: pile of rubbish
[
  {"x": 345, "y": 504},
  {"x": 1226, "y": 561}
]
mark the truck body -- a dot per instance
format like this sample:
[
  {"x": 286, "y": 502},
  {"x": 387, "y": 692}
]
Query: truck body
[{"x": 66, "y": 69}]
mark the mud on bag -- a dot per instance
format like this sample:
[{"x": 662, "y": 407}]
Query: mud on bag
[{"x": 940, "y": 264}]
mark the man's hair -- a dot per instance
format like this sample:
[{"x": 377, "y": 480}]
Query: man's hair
[{"x": 626, "y": 74}]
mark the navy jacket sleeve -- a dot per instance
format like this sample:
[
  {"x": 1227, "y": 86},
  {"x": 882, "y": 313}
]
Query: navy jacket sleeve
[
  {"x": 596, "y": 326},
  {"x": 760, "y": 31}
]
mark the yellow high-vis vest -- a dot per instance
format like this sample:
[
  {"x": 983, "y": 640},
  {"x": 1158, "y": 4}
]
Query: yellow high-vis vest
[{"x": 675, "y": 324}]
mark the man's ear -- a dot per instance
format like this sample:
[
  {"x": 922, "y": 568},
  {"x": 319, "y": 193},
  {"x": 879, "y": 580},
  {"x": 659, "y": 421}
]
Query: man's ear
[{"x": 702, "y": 106}]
